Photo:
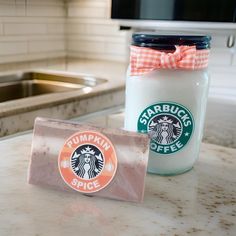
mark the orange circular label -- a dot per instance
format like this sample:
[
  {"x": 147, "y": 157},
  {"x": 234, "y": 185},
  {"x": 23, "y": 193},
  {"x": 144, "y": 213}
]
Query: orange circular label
[{"x": 87, "y": 161}]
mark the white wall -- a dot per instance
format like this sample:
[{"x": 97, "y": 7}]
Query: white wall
[
  {"x": 39, "y": 29},
  {"x": 92, "y": 34},
  {"x": 31, "y": 30}
]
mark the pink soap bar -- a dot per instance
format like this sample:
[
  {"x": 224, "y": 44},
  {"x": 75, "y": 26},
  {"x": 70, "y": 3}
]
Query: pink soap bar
[{"x": 52, "y": 136}]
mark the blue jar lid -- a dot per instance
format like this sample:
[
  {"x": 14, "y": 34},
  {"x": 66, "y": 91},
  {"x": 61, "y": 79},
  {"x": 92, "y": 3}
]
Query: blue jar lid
[{"x": 168, "y": 42}]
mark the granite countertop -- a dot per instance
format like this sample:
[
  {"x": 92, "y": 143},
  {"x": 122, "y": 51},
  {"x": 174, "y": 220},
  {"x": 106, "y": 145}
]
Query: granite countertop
[{"x": 199, "y": 202}]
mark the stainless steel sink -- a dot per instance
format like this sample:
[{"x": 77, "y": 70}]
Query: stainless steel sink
[{"x": 29, "y": 84}]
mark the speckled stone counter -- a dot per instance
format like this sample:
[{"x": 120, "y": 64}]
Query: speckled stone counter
[{"x": 200, "y": 202}]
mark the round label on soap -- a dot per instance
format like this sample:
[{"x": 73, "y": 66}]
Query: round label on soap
[
  {"x": 87, "y": 161},
  {"x": 169, "y": 124}
]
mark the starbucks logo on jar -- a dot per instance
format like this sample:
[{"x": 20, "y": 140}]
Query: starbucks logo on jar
[
  {"x": 165, "y": 129},
  {"x": 170, "y": 126}
]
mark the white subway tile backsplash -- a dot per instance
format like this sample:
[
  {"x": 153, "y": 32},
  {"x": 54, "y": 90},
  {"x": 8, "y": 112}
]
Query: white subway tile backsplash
[
  {"x": 46, "y": 46},
  {"x": 7, "y": 2},
  {"x": 11, "y": 48},
  {"x": 24, "y": 29},
  {"x": 22, "y": 2},
  {"x": 46, "y": 2},
  {"x": 7, "y": 10},
  {"x": 90, "y": 32},
  {"x": 43, "y": 28},
  {"x": 87, "y": 12},
  {"x": 116, "y": 48},
  {"x": 31, "y": 29},
  {"x": 20, "y": 10},
  {"x": 90, "y": 21},
  {"x": 98, "y": 38},
  {"x": 1, "y": 28},
  {"x": 74, "y": 28},
  {"x": 49, "y": 37},
  {"x": 30, "y": 57},
  {"x": 40, "y": 10},
  {"x": 96, "y": 56},
  {"x": 34, "y": 29},
  {"x": 32, "y": 19},
  {"x": 58, "y": 28},
  {"x": 96, "y": 29},
  {"x": 88, "y": 3},
  {"x": 86, "y": 46}
]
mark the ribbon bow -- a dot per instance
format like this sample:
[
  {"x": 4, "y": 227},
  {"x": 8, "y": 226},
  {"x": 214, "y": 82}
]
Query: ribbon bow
[{"x": 144, "y": 60}]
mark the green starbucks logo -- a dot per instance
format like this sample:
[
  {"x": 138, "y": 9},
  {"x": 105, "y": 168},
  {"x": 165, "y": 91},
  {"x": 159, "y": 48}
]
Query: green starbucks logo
[{"x": 169, "y": 124}]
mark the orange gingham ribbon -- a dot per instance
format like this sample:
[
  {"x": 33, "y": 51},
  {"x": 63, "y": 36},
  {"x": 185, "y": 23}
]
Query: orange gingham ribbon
[{"x": 144, "y": 60}]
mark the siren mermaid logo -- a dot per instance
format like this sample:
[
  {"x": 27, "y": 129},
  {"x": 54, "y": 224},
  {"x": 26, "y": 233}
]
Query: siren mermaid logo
[
  {"x": 170, "y": 126},
  {"x": 164, "y": 129},
  {"x": 87, "y": 161}
]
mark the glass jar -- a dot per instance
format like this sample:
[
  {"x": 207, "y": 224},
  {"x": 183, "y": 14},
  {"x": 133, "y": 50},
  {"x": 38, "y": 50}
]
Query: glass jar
[{"x": 166, "y": 96}]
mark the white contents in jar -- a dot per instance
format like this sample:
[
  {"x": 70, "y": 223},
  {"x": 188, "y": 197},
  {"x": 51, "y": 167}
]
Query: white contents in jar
[{"x": 171, "y": 105}]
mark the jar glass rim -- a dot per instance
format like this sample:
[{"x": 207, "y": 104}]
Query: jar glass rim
[{"x": 168, "y": 42}]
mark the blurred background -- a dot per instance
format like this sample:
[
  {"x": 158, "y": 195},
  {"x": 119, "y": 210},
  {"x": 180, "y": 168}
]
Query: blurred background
[{"x": 62, "y": 35}]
